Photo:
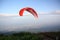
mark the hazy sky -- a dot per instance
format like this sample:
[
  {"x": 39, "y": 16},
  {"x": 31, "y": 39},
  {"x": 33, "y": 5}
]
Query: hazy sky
[
  {"x": 13, "y": 6},
  {"x": 10, "y": 21}
]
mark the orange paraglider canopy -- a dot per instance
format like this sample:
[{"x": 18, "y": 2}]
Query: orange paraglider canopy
[{"x": 32, "y": 11}]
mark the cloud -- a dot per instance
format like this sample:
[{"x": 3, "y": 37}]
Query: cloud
[
  {"x": 28, "y": 22},
  {"x": 43, "y": 12},
  {"x": 9, "y": 15},
  {"x": 56, "y": 12}
]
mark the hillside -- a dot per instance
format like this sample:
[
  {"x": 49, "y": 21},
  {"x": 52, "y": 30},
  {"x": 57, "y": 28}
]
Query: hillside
[{"x": 31, "y": 36}]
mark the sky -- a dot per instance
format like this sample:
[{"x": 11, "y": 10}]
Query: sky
[
  {"x": 48, "y": 15},
  {"x": 13, "y": 6}
]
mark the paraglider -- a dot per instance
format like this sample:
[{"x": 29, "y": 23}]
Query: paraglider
[{"x": 30, "y": 10}]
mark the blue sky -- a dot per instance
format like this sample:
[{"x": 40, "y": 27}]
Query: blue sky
[{"x": 13, "y": 6}]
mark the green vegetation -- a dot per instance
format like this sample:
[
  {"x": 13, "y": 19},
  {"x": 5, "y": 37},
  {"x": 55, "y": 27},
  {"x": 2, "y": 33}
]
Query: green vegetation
[{"x": 30, "y": 36}]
